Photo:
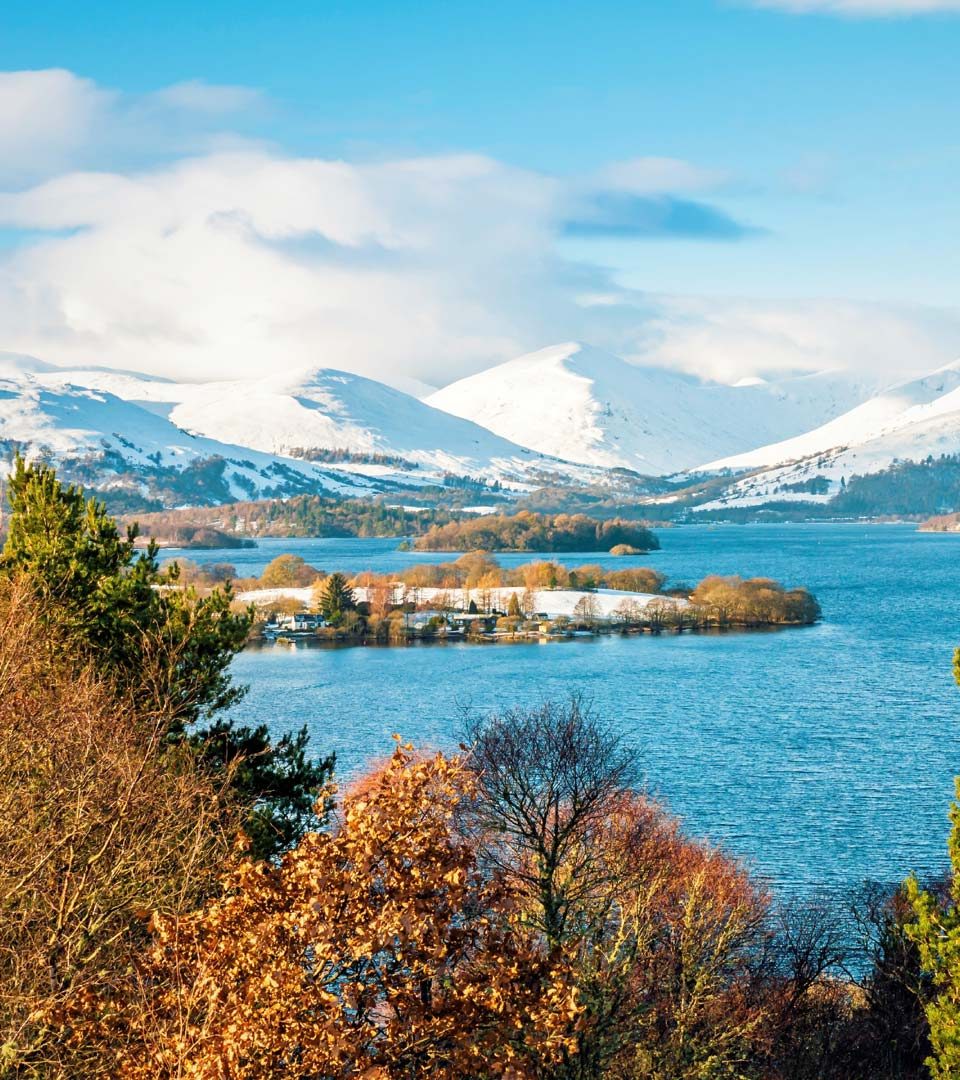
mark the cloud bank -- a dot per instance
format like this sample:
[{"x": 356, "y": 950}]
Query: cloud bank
[{"x": 219, "y": 257}]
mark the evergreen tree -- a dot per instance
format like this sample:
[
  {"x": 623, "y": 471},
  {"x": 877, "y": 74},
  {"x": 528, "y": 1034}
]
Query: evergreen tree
[
  {"x": 513, "y": 608},
  {"x": 165, "y": 647},
  {"x": 936, "y": 932},
  {"x": 336, "y": 599}
]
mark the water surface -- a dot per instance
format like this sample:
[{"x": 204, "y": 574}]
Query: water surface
[{"x": 822, "y": 755}]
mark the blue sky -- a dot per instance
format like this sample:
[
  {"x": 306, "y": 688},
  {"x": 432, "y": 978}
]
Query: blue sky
[{"x": 823, "y": 148}]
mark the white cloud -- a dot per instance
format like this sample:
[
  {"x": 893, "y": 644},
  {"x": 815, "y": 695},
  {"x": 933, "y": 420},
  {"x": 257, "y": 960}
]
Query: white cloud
[
  {"x": 232, "y": 264},
  {"x": 52, "y": 120},
  {"x": 46, "y": 117},
  {"x": 195, "y": 95},
  {"x": 728, "y": 339},
  {"x": 864, "y": 8},
  {"x": 225, "y": 264}
]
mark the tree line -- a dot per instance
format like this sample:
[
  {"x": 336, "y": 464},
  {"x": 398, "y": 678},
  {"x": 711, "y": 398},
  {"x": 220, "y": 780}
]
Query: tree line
[
  {"x": 301, "y": 515},
  {"x": 476, "y": 581}
]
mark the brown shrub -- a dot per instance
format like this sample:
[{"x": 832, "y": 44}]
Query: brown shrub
[{"x": 99, "y": 827}]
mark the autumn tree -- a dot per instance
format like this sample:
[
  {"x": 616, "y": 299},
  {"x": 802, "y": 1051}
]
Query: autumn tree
[
  {"x": 101, "y": 824},
  {"x": 543, "y": 575},
  {"x": 630, "y": 612},
  {"x": 659, "y": 932},
  {"x": 380, "y": 595},
  {"x": 639, "y": 579},
  {"x": 377, "y": 948},
  {"x": 733, "y": 601},
  {"x": 473, "y": 566},
  {"x": 289, "y": 572},
  {"x": 586, "y": 608},
  {"x": 590, "y": 576}
]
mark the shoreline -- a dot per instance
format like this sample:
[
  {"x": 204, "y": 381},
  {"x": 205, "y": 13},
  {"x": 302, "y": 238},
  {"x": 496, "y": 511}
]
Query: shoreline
[{"x": 317, "y": 641}]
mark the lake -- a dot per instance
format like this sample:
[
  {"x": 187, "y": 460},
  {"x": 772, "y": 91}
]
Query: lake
[{"x": 821, "y": 756}]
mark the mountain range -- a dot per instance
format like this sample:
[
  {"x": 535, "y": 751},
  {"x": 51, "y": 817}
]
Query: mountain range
[{"x": 566, "y": 416}]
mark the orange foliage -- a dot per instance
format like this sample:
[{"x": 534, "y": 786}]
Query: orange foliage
[
  {"x": 726, "y": 601},
  {"x": 376, "y": 949}
]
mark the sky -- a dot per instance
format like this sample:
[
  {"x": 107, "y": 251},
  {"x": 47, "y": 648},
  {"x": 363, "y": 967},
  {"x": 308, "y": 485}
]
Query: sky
[{"x": 418, "y": 190}]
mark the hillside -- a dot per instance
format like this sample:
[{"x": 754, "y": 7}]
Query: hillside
[
  {"x": 914, "y": 421},
  {"x": 575, "y": 401},
  {"x": 117, "y": 447},
  {"x": 942, "y": 523},
  {"x": 325, "y": 409}
]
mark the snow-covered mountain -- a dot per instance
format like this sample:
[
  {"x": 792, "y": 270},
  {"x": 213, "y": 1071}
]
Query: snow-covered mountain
[
  {"x": 564, "y": 415},
  {"x": 578, "y": 402},
  {"x": 262, "y": 428},
  {"x": 322, "y": 408},
  {"x": 97, "y": 438},
  {"x": 909, "y": 421},
  {"x": 895, "y": 406}
]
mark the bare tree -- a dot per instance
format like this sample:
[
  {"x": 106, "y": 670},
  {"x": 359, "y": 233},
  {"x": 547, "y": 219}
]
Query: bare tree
[
  {"x": 587, "y": 609},
  {"x": 547, "y": 777}
]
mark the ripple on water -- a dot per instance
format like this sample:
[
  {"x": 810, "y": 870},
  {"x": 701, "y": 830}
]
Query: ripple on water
[{"x": 823, "y": 756}]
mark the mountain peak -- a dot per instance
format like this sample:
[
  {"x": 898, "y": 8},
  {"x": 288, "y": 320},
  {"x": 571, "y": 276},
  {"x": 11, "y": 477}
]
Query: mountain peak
[{"x": 579, "y": 402}]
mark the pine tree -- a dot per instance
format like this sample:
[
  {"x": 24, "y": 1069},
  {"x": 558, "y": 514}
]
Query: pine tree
[
  {"x": 166, "y": 648},
  {"x": 513, "y": 608},
  {"x": 336, "y": 599}
]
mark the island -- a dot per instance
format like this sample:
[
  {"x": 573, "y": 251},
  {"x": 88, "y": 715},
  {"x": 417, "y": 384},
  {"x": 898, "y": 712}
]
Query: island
[
  {"x": 476, "y": 599},
  {"x": 198, "y": 537},
  {"x": 529, "y": 531}
]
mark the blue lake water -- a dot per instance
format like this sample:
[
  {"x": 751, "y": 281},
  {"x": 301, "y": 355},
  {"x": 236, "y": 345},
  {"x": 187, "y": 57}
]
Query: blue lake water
[{"x": 821, "y": 756}]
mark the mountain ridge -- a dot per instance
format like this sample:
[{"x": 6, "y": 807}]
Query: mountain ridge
[
  {"x": 602, "y": 410},
  {"x": 642, "y": 434}
]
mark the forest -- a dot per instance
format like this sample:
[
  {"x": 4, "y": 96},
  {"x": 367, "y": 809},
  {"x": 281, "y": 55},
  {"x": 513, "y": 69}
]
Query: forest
[
  {"x": 301, "y": 515},
  {"x": 185, "y": 897}
]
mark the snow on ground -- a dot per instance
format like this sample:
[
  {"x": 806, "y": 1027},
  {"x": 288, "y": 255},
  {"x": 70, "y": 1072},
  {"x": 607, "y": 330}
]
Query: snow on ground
[
  {"x": 323, "y": 408},
  {"x": 550, "y": 602},
  {"x": 262, "y": 597}
]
